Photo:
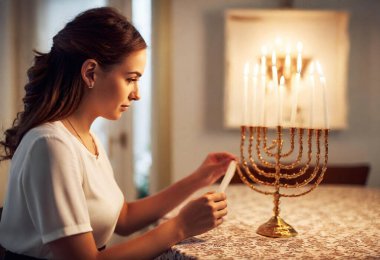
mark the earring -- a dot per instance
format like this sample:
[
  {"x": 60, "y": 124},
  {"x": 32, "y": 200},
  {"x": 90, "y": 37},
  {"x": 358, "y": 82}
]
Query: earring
[{"x": 91, "y": 85}]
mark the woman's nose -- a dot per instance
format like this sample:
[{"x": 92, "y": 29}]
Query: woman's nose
[{"x": 134, "y": 95}]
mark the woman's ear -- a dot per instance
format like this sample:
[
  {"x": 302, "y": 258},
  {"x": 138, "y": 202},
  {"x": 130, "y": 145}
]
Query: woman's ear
[{"x": 88, "y": 72}]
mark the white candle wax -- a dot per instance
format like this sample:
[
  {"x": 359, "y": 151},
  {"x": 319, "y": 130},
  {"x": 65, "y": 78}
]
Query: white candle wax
[
  {"x": 245, "y": 94},
  {"x": 263, "y": 71},
  {"x": 325, "y": 106},
  {"x": 281, "y": 101},
  {"x": 263, "y": 98},
  {"x": 324, "y": 93},
  {"x": 299, "y": 56},
  {"x": 312, "y": 87},
  {"x": 275, "y": 83},
  {"x": 295, "y": 91},
  {"x": 228, "y": 176},
  {"x": 255, "y": 111},
  {"x": 287, "y": 61}
]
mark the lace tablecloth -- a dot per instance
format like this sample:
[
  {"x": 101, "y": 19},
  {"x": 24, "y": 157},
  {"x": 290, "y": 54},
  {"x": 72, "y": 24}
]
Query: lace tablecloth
[{"x": 333, "y": 222}]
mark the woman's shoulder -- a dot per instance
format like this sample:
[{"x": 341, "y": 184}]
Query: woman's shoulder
[
  {"x": 53, "y": 129},
  {"x": 48, "y": 139},
  {"x": 46, "y": 131}
]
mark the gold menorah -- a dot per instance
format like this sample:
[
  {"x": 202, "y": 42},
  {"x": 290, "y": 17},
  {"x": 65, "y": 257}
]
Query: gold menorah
[{"x": 267, "y": 168}]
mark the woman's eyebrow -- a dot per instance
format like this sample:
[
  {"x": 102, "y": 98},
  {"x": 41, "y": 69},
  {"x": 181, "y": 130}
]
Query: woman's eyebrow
[{"x": 134, "y": 72}]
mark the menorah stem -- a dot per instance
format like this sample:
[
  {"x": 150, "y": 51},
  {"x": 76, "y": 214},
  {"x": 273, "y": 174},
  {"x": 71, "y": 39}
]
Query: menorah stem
[
  {"x": 276, "y": 195},
  {"x": 276, "y": 226},
  {"x": 276, "y": 200}
]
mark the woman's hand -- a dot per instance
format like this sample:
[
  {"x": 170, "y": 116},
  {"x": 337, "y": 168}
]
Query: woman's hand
[
  {"x": 202, "y": 214},
  {"x": 212, "y": 168}
]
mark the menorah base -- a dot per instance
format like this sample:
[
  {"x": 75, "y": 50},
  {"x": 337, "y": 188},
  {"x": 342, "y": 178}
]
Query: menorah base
[{"x": 276, "y": 227}]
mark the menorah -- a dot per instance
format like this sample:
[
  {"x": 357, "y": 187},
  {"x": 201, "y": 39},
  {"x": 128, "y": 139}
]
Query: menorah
[
  {"x": 249, "y": 168},
  {"x": 271, "y": 163}
]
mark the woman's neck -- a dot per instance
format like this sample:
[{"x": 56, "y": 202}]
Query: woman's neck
[{"x": 81, "y": 121}]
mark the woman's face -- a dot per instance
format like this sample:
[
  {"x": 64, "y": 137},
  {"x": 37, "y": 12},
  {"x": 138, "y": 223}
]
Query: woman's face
[{"x": 116, "y": 88}]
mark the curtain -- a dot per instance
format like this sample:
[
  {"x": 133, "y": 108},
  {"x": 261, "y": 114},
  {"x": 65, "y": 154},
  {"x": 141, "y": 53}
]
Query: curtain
[{"x": 18, "y": 35}]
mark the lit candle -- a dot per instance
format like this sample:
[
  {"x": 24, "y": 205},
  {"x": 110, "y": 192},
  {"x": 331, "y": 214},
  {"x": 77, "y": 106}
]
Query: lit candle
[
  {"x": 245, "y": 93},
  {"x": 325, "y": 106},
  {"x": 299, "y": 56},
  {"x": 255, "y": 93},
  {"x": 295, "y": 99},
  {"x": 287, "y": 61},
  {"x": 270, "y": 107},
  {"x": 263, "y": 60},
  {"x": 263, "y": 83},
  {"x": 312, "y": 86},
  {"x": 281, "y": 102},
  {"x": 275, "y": 83}
]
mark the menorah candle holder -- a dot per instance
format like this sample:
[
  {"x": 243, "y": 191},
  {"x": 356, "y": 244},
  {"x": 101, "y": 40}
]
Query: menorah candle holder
[{"x": 275, "y": 172}]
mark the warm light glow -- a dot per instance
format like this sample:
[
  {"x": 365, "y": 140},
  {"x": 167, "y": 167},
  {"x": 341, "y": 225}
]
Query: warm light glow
[
  {"x": 270, "y": 86},
  {"x": 312, "y": 68},
  {"x": 246, "y": 69},
  {"x": 288, "y": 48},
  {"x": 299, "y": 46},
  {"x": 278, "y": 41},
  {"x": 264, "y": 50},
  {"x": 256, "y": 70},
  {"x": 282, "y": 81},
  {"x": 319, "y": 68}
]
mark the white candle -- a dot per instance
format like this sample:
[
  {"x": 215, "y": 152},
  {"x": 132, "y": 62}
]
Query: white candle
[
  {"x": 299, "y": 56},
  {"x": 312, "y": 86},
  {"x": 228, "y": 176},
  {"x": 287, "y": 61},
  {"x": 263, "y": 60},
  {"x": 275, "y": 83},
  {"x": 325, "y": 106},
  {"x": 245, "y": 94},
  {"x": 263, "y": 83},
  {"x": 255, "y": 93},
  {"x": 295, "y": 91},
  {"x": 281, "y": 102}
]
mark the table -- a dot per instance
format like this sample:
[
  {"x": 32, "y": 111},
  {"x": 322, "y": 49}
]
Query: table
[{"x": 333, "y": 222}]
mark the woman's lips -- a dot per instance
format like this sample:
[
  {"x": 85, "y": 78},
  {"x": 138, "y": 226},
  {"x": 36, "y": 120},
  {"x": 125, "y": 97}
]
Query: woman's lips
[{"x": 124, "y": 107}]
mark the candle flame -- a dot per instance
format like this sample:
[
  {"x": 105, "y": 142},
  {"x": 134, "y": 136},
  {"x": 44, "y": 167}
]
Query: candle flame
[
  {"x": 282, "y": 81},
  {"x": 299, "y": 63}
]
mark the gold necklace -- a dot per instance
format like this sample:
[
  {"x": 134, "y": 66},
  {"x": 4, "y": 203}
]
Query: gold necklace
[{"x": 80, "y": 138}]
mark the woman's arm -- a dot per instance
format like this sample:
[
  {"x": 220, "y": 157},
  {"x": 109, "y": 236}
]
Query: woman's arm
[
  {"x": 141, "y": 213},
  {"x": 198, "y": 216}
]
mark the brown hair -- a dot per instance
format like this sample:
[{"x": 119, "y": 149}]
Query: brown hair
[{"x": 55, "y": 86}]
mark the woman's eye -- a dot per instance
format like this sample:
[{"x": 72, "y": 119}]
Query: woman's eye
[
  {"x": 129, "y": 80},
  {"x": 132, "y": 80}
]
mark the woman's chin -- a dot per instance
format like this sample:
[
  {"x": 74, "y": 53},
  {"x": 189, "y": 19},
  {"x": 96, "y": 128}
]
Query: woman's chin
[{"x": 115, "y": 116}]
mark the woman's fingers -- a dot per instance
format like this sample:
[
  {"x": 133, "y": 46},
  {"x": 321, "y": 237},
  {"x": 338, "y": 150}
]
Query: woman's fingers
[
  {"x": 220, "y": 213},
  {"x": 222, "y": 156}
]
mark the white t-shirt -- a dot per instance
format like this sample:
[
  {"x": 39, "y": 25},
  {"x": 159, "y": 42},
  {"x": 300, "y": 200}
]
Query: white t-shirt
[{"x": 57, "y": 188}]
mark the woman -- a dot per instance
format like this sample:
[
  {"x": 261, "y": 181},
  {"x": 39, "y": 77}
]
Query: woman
[{"x": 62, "y": 200}]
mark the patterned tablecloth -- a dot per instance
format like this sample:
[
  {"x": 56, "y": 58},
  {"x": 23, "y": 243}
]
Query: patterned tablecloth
[{"x": 333, "y": 222}]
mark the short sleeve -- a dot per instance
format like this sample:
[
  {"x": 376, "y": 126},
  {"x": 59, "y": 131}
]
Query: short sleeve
[{"x": 52, "y": 184}]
